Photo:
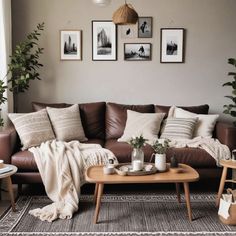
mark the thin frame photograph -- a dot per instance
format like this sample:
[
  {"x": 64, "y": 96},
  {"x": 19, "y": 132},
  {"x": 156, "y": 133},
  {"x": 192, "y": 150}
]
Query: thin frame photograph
[
  {"x": 145, "y": 27},
  {"x": 129, "y": 31},
  {"x": 70, "y": 45},
  {"x": 172, "y": 45},
  {"x": 104, "y": 41},
  {"x": 137, "y": 51}
]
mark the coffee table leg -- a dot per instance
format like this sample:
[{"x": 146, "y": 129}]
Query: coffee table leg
[
  {"x": 177, "y": 186},
  {"x": 222, "y": 184},
  {"x": 99, "y": 196},
  {"x": 10, "y": 190},
  {"x": 95, "y": 193},
  {"x": 187, "y": 199}
]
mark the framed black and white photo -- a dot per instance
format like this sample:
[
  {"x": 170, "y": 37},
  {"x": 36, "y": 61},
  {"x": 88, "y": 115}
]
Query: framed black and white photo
[
  {"x": 104, "y": 42},
  {"x": 71, "y": 44},
  {"x": 137, "y": 51},
  {"x": 128, "y": 31},
  {"x": 172, "y": 45},
  {"x": 145, "y": 27}
]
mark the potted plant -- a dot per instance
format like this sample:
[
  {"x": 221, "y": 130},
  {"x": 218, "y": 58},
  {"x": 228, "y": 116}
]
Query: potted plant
[
  {"x": 160, "y": 147},
  {"x": 137, "y": 155},
  {"x": 231, "y": 108},
  {"x": 2, "y": 100}
]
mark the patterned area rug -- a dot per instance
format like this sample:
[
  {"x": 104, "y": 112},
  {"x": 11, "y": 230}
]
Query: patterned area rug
[{"x": 130, "y": 215}]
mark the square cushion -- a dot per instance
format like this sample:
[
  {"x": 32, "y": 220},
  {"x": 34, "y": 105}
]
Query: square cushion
[
  {"x": 146, "y": 124},
  {"x": 32, "y": 128},
  {"x": 66, "y": 123}
]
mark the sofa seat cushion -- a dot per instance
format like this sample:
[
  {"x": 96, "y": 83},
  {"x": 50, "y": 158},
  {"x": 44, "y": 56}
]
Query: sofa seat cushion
[
  {"x": 122, "y": 150},
  {"x": 24, "y": 160},
  {"x": 195, "y": 157}
]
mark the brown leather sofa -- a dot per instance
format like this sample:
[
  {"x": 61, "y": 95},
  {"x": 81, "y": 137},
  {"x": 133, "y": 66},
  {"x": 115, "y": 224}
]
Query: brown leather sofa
[{"x": 104, "y": 123}]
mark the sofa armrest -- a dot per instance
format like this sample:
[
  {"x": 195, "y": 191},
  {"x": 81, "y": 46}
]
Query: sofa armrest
[
  {"x": 8, "y": 140},
  {"x": 226, "y": 134}
]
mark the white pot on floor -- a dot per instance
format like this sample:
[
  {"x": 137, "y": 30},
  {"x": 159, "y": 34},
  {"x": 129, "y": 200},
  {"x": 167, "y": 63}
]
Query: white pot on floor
[{"x": 160, "y": 162}]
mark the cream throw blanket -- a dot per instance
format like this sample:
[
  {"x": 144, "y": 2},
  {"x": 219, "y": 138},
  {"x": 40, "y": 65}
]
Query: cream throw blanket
[{"x": 62, "y": 167}]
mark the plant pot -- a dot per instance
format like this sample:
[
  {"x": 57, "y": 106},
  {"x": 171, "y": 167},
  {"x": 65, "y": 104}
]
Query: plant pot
[{"x": 160, "y": 162}]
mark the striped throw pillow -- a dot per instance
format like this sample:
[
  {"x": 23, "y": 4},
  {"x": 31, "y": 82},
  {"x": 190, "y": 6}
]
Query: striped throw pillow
[
  {"x": 66, "y": 123},
  {"x": 32, "y": 128},
  {"x": 179, "y": 128}
]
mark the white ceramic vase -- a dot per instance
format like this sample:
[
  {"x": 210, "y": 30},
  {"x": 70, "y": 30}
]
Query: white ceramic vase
[{"x": 160, "y": 162}]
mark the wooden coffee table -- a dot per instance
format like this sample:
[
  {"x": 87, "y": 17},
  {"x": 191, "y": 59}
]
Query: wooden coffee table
[{"x": 94, "y": 174}]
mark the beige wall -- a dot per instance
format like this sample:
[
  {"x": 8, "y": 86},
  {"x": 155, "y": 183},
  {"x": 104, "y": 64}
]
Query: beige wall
[{"x": 210, "y": 40}]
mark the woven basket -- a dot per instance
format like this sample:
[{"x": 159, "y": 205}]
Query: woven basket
[{"x": 125, "y": 15}]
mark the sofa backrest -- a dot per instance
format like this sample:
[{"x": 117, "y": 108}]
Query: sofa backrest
[
  {"x": 92, "y": 116},
  {"x": 116, "y": 115}
]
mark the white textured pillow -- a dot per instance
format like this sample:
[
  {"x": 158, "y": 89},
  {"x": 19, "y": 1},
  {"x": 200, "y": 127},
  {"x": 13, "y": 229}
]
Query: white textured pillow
[
  {"x": 66, "y": 123},
  {"x": 32, "y": 128},
  {"x": 205, "y": 124},
  {"x": 179, "y": 128},
  {"x": 147, "y": 124}
]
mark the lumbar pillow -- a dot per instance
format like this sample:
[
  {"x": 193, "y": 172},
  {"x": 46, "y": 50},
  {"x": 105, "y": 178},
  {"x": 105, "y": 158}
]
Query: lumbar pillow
[
  {"x": 147, "y": 124},
  {"x": 32, "y": 128},
  {"x": 66, "y": 123},
  {"x": 179, "y": 128},
  {"x": 205, "y": 124}
]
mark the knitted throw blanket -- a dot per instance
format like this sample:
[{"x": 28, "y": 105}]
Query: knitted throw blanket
[{"x": 62, "y": 167}]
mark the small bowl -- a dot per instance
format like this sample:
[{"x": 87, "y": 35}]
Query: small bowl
[{"x": 108, "y": 170}]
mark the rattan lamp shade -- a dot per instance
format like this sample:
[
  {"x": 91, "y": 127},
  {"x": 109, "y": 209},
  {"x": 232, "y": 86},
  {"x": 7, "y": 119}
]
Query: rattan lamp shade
[{"x": 125, "y": 15}]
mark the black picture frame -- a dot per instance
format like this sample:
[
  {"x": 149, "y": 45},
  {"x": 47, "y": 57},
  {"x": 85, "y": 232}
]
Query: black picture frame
[
  {"x": 145, "y": 27},
  {"x": 132, "y": 52}
]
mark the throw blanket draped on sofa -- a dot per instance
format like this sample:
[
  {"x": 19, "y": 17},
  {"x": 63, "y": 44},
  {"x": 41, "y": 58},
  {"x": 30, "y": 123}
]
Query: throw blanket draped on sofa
[{"x": 62, "y": 167}]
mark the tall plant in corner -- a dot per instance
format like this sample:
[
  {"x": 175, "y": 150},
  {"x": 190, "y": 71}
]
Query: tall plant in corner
[
  {"x": 231, "y": 108},
  {"x": 2, "y": 99},
  {"x": 24, "y": 63}
]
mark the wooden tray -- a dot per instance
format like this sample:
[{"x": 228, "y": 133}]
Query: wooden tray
[{"x": 126, "y": 168}]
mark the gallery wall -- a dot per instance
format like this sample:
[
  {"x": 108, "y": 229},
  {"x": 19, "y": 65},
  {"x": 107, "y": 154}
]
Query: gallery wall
[{"x": 210, "y": 40}]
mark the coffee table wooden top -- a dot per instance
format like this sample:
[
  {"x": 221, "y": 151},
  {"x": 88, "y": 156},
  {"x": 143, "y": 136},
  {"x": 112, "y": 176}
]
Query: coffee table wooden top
[{"x": 94, "y": 174}]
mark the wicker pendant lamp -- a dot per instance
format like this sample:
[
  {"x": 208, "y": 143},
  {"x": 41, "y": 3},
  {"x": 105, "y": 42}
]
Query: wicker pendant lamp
[{"x": 125, "y": 15}]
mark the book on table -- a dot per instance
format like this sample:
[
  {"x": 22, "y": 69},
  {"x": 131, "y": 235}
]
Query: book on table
[{"x": 5, "y": 169}]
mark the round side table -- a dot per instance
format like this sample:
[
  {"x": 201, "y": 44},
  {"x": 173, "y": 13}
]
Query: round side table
[
  {"x": 7, "y": 176},
  {"x": 226, "y": 164}
]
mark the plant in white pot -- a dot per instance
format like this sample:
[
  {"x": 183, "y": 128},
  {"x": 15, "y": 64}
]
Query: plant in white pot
[{"x": 160, "y": 147}]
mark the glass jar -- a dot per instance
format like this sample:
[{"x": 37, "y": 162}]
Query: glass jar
[{"x": 137, "y": 159}]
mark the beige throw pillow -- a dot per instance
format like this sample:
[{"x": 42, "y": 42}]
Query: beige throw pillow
[
  {"x": 32, "y": 128},
  {"x": 66, "y": 123},
  {"x": 147, "y": 124},
  {"x": 205, "y": 124}
]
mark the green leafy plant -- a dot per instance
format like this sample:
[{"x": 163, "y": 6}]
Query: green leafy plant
[
  {"x": 231, "y": 108},
  {"x": 24, "y": 63},
  {"x": 161, "y": 147},
  {"x": 2, "y": 99},
  {"x": 138, "y": 141}
]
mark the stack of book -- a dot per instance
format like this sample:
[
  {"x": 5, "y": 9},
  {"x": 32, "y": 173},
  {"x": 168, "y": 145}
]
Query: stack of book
[{"x": 5, "y": 169}]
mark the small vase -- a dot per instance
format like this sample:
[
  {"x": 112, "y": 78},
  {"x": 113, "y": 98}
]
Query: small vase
[
  {"x": 160, "y": 162},
  {"x": 137, "y": 159}
]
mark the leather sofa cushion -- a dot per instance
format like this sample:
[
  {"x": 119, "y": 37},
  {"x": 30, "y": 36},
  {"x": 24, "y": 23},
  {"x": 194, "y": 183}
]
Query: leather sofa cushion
[
  {"x": 92, "y": 116},
  {"x": 24, "y": 160},
  {"x": 116, "y": 115},
  {"x": 202, "y": 109}
]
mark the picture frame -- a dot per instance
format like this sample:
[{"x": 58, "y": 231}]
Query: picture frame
[
  {"x": 145, "y": 27},
  {"x": 71, "y": 45},
  {"x": 137, "y": 51},
  {"x": 104, "y": 40},
  {"x": 172, "y": 45},
  {"x": 129, "y": 31}
]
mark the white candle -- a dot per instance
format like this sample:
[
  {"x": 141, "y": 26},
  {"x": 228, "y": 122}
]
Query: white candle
[{"x": 137, "y": 165}]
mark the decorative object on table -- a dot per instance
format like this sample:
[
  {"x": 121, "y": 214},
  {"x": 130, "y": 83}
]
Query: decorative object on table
[
  {"x": 227, "y": 208},
  {"x": 129, "y": 31},
  {"x": 102, "y": 3},
  {"x": 1, "y": 164},
  {"x": 145, "y": 27},
  {"x": 125, "y": 15},
  {"x": 234, "y": 155},
  {"x": 231, "y": 108},
  {"x": 160, "y": 147},
  {"x": 2, "y": 99},
  {"x": 71, "y": 45},
  {"x": 137, "y": 51},
  {"x": 172, "y": 45},
  {"x": 104, "y": 41},
  {"x": 137, "y": 155},
  {"x": 174, "y": 165},
  {"x": 109, "y": 168},
  {"x": 24, "y": 64}
]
